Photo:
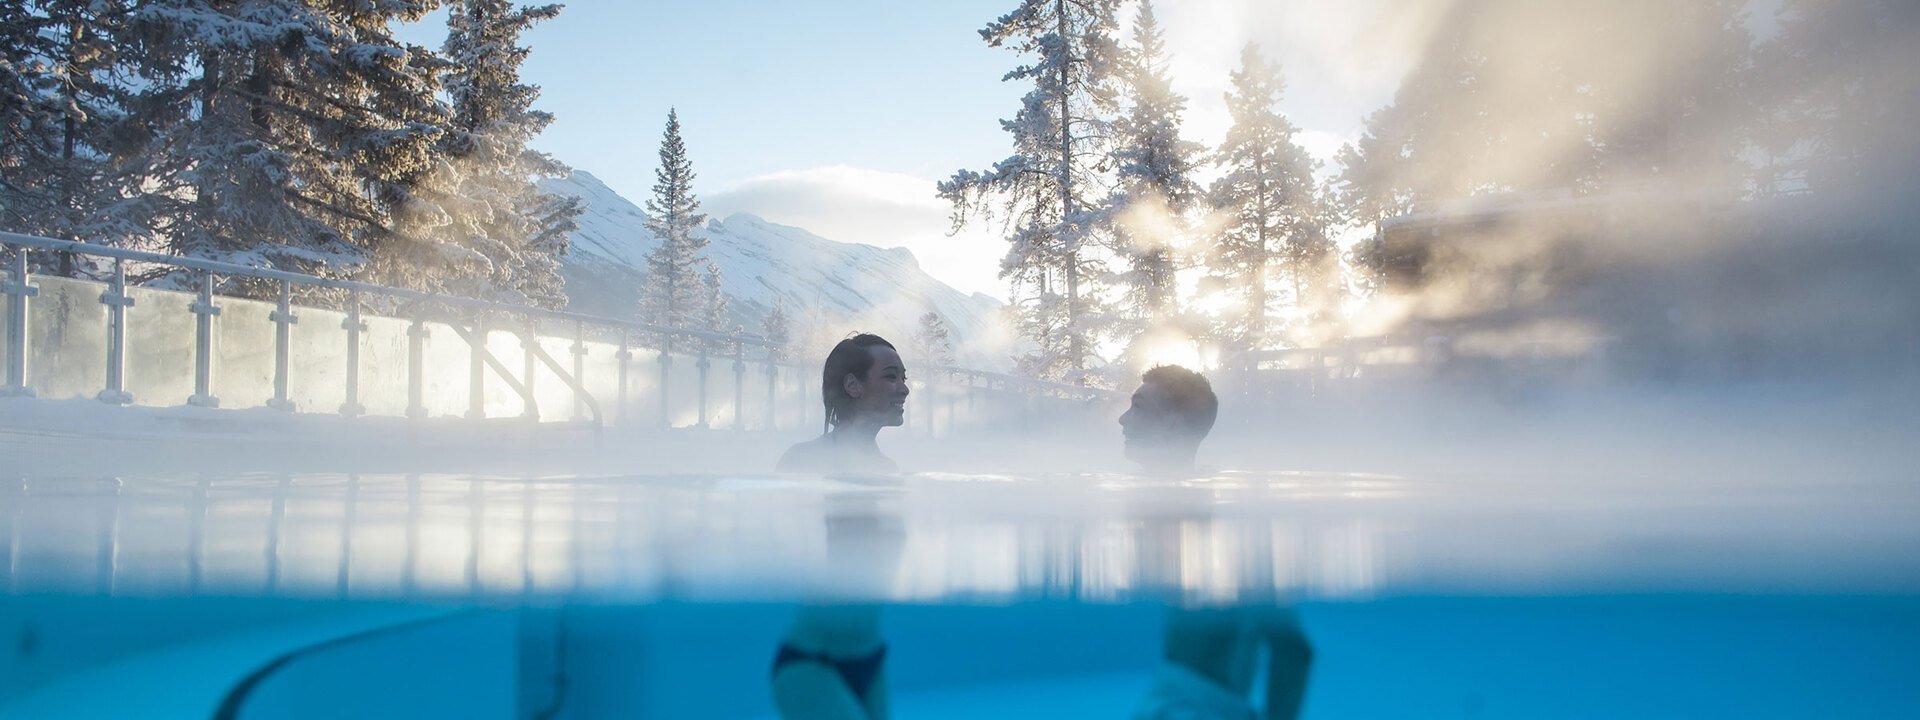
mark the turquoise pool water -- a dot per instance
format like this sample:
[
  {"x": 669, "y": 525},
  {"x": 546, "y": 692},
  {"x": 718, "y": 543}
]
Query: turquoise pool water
[{"x": 407, "y": 595}]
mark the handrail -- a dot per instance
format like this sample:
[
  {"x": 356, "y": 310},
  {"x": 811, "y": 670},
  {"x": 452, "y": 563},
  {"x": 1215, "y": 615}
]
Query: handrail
[
  {"x": 231, "y": 269},
  {"x": 289, "y": 277}
]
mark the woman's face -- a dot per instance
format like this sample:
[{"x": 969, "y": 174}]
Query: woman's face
[{"x": 881, "y": 398}]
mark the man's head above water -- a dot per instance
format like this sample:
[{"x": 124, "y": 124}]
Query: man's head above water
[{"x": 1170, "y": 414}]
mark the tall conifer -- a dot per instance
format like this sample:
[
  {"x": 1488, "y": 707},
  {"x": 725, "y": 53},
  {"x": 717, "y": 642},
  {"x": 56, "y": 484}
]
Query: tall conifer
[
  {"x": 498, "y": 236},
  {"x": 301, "y": 128},
  {"x": 1051, "y": 188},
  {"x": 1268, "y": 213},
  {"x": 672, "y": 293},
  {"x": 66, "y": 96},
  {"x": 1154, "y": 173}
]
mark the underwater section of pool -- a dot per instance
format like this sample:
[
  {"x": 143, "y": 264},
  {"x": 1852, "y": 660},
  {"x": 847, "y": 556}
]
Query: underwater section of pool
[{"x": 420, "y": 595}]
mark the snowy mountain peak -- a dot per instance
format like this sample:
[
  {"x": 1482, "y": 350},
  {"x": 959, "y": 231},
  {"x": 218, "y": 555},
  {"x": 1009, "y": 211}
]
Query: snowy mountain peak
[{"x": 840, "y": 287}]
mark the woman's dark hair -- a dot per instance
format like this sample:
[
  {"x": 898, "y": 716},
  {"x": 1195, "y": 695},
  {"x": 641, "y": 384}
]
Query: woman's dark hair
[{"x": 849, "y": 356}]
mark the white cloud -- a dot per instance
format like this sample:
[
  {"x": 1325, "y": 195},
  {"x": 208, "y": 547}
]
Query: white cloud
[{"x": 885, "y": 209}]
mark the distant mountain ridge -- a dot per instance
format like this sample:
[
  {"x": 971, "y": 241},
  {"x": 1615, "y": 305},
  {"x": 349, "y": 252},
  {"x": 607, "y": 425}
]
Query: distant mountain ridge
[{"x": 829, "y": 288}]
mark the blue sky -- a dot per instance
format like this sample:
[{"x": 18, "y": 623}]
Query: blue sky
[{"x": 839, "y": 116}]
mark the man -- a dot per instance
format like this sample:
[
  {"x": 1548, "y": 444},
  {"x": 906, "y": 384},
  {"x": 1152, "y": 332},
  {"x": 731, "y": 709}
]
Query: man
[
  {"x": 1172, "y": 412},
  {"x": 1210, "y": 652}
]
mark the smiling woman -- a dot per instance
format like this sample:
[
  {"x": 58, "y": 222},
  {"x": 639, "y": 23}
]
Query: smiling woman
[{"x": 864, "y": 388}]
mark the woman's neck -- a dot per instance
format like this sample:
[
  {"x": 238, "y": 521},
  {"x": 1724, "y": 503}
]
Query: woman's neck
[{"x": 855, "y": 434}]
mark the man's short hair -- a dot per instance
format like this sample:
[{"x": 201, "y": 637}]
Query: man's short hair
[{"x": 1188, "y": 395}]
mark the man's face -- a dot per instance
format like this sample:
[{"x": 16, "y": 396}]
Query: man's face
[{"x": 1151, "y": 426}]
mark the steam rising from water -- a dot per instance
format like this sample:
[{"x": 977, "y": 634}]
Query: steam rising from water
[{"x": 1653, "y": 187}]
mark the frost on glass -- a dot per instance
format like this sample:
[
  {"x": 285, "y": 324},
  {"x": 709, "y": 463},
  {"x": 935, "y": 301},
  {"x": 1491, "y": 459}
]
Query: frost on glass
[
  {"x": 502, "y": 400},
  {"x": 638, "y": 407},
  {"x": 554, "y": 396},
  {"x": 160, "y": 347},
  {"x": 317, "y": 365},
  {"x": 383, "y": 366},
  {"x": 682, "y": 390},
  {"x": 66, "y": 339},
  {"x": 600, "y": 375},
  {"x": 243, "y": 351}
]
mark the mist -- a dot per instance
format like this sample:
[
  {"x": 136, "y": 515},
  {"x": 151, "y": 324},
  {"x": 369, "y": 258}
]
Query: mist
[{"x": 1652, "y": 189}]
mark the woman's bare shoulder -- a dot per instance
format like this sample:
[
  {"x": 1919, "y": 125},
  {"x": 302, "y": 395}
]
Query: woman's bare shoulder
[{"x": 809, "y": 456}]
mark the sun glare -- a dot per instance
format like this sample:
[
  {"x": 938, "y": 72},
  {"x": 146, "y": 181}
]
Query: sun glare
[{"x": 1167, "y": 346}]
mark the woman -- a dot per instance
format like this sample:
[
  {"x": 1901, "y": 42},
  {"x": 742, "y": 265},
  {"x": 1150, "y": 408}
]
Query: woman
[
  {"x": 831, "y": 665},
  {"x": 864, "y": 388}
]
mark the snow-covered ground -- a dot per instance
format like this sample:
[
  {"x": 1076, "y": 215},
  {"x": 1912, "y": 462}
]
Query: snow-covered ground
[{"x": 833, "y": 286}]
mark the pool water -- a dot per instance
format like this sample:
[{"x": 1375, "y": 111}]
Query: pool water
[{"x": 409, "y": 595}]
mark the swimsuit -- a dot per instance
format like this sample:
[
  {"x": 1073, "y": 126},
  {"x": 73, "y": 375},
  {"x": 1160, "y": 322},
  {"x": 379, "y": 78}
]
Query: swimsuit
[{"x": 857, "y": 672}]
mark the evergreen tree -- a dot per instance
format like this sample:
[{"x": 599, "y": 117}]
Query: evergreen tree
[
  {"x": 298, "y": 132},
  {"x": 1156, "y": 190},
  {"x": 713, "y": 305},
  {"x": 777, "y": 328},
  {"x": 1050, "y": 189},
  {"x": 499, "y": 237},
  {"x": 671, "y": 295},
  {"x": 33, "y": 119},
  {"x": 65, "y": 92},
  {"x": 932, "y": 341},
  {"x": 1267, "y": 211}
]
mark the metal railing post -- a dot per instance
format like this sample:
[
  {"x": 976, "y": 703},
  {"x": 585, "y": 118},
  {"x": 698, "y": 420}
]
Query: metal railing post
[
  {"x": 702, "y": 364},
  {"x": 18, "y": 288},
  {"x": 773, "y": 385},
  {"x": 625, "y": 354},
  {"x": 579, "y": 370},
  {"x": 949, "y": 402},
  {"x": 801, "y": 393},
  {"x": 477, "y": 371},
  {"x": 739, "y": 388},
  {"x": 354, "y": 326},
  {"x": 283, "y": 321},
  {"x": 117, "y": 301},
  {"x": 666, "y": 361},
  {"x": 528, "y": 342},
  {"x": 204, "y": 311},
  {"x": 417, "y": 335}
]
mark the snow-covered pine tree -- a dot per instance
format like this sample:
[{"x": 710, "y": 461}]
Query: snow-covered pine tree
[
  {"x": 932, "y": 341},
  {"x": 1050, "y": 189},
  {"x": 1154, "y": 165},
  {"x": 713, "y": 305},
  {"x": 1265, "y": 205},
  {"x": 301, "y": 129},
  {"x": 502, "y": 237},
  {"x": 671, "y": 295},
  {"x": 33, "y": 118},
  {"x": 64, "y": 95},
  {"x": 777, "y": 328}
]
